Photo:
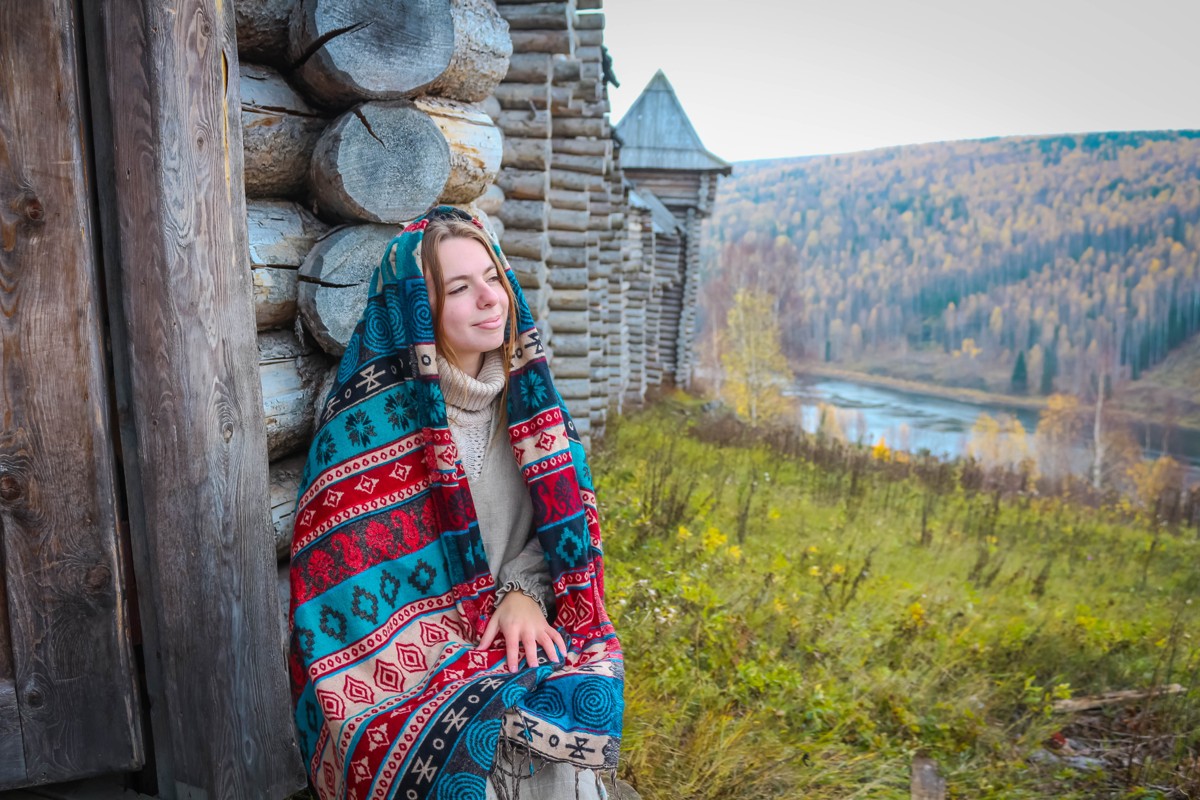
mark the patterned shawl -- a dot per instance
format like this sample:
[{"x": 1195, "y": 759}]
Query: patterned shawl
[{"x": 390, "y": 582}]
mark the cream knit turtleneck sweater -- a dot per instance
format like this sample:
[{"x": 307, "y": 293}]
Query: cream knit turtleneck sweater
[{"x": 498, "y": 490}]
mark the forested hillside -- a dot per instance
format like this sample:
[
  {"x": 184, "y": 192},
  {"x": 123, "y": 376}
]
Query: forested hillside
[{"x": 1014, "y": 265}]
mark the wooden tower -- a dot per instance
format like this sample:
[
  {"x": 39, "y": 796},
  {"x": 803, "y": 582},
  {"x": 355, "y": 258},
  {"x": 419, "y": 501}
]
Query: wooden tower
[{"x": 663, "y": 157}]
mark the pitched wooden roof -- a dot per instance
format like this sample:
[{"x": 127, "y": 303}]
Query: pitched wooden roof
[{"x": 656, "y": 133}]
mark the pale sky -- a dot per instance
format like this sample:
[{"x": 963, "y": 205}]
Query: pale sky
[{"x": 773, "y": 78}]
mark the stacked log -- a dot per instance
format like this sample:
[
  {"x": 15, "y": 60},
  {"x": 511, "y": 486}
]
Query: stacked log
[
  {"x": 638, "y": 254},
  {"x": 685, "y": 338},
  {"x": 668, "y": 259},
  {"x": 577, "y": 163},
  {"x": 616, "y": 336},
  {"x": 523, "y": 100},
  {"x": 342, "y": 126}
]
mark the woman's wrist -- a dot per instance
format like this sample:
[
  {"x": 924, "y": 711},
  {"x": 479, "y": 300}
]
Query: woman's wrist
[{"x": 517, "y": 586}]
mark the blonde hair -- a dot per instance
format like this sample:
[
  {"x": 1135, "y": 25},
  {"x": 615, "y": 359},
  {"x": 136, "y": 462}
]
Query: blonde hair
[{"x": 437, "y": 231}]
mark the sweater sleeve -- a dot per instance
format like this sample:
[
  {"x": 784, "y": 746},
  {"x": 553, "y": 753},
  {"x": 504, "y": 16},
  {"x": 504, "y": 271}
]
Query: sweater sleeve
[{"x": 529, "y": 573}]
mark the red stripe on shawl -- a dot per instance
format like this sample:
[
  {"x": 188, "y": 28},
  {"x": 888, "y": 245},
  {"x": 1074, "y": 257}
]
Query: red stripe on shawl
[
  {"x": 359, "y": 493},
  {"x": 386, "y": 454},
  {"x": 360, "y": 546},
  {"x": 545, "y": 419}
]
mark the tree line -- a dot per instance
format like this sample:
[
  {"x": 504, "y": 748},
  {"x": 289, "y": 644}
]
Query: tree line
[{"x": 1073, "y": 261}]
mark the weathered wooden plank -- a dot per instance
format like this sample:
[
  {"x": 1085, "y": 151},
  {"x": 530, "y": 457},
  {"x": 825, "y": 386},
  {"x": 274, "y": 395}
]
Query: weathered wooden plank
[
  {"x": 523, "y": 96},
  {"x": 588, "y": 41},
  {"x": 542, "y": 41},
  {"x": 280, "y": 232},
  {"x": 526, "y": 154},
  {"x": 490, "y": 201},
  {"x": 531, "y": 273},
  {"x": 289, "y": 389},
  {"x": 529, "y": 123},
  {"x": 68, "y": 703},
  {"x": 525, "y": 214},
  {"x": 529, "y": 68},
  {"x": 538, "y": 16},
  {"x": 519, "y": 243},
  {"x": 566, "y": 70},
  {"x": 192, "y": 421},
  {"x": 588, "y": 22},
  {"x": 519, "y": 184}
]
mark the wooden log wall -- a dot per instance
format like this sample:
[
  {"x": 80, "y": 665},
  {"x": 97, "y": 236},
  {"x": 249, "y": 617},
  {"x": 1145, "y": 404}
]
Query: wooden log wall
[
  {"x": 638, "y": 255},
  {"x": 562, "y": 185},
  {"x": 666, "y": 303},
  {"x": 346, "y": 137},
  {"x": 685, "y": 331}
]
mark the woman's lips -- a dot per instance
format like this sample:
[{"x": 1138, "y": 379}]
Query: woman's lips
[{"x": 491, "y": 324}]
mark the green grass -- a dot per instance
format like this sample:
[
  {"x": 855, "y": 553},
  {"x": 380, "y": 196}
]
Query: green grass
[{"x": 788, "y": 634}]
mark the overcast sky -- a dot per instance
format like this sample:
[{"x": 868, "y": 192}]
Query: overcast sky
[{"x": 771, "y": 78}]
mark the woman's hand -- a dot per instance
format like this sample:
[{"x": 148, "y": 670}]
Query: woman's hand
[{"x": 520, "y": 621}]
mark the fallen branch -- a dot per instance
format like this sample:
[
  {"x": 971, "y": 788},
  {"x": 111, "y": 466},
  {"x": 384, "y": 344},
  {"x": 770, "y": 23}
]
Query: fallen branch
[{"x": 1113, "y": 698}]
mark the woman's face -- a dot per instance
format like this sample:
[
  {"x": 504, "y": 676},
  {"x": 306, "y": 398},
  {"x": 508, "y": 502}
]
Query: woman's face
[{"x": 474, "y": 305}]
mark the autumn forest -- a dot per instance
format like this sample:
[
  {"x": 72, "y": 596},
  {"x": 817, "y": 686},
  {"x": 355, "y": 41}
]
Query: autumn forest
[{"x": 1014, "y": 265}]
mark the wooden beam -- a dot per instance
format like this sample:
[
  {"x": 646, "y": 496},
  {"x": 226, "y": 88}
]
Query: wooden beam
[
  {"x": 185, "y": 360},
  {"x": 68, "y": 697}
]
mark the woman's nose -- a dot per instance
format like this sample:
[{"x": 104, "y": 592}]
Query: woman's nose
[{"x": 488, "y": 296}]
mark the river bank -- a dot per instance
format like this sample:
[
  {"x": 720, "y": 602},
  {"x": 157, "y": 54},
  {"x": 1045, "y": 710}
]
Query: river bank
[{"x": 978, "y": 397}]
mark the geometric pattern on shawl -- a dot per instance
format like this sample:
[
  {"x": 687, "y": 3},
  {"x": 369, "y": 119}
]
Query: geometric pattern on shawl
[{"x": 390, "y": 586}]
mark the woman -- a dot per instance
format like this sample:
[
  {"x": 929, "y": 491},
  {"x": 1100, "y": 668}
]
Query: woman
[{"x": 445, "y": 520}]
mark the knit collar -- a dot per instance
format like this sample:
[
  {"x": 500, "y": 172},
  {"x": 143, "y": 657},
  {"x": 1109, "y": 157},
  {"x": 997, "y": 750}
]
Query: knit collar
[{"x": 472, "y": 394}]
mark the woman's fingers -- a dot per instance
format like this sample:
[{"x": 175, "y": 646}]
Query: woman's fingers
[
  {"x": 530, "y": 645},
  {"x": 558, "y": 640},
  {"x": 547, "y": 643},
  {"x": 489, "y": 634},
  {"x": 513, "y": 646}
]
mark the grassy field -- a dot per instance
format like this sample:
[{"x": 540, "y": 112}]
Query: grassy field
[{"x": 802, "y": 622}]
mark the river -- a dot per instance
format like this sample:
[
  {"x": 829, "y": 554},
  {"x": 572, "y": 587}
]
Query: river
[{"x": 942, "y": 426}]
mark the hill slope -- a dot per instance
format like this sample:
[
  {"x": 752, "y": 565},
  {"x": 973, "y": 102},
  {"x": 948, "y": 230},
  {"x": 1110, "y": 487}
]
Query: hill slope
[{"x": 950, "y": 262}]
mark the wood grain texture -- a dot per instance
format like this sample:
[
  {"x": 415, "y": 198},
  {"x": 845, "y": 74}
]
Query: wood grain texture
[
  {"x": 475, "y": 143},
  {"x": 346, "y": 51},
  {"x": 285, "y": 483},
  {"x": 482, "y": 48},
  {"x": 193, "y": 421},
  {"x": 280, "y": 233},
  {"x": 262, "y": 30},
  {"x": 279, "y": 132},
  {"x": 71, "y": 674},
  {"x": 381, "y": 162},
  {"x": 333, "y": 282},
  {"x": 291, "y": 371}
]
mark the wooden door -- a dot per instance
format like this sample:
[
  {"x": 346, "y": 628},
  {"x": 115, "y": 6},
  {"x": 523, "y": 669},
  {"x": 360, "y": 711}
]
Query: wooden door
[{"x": 68, "y": 700}]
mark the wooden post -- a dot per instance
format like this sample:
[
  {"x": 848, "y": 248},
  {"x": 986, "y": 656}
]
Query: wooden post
[
  {"x": 192, "y": 422},
  {"x": 68, "y": 692}
]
